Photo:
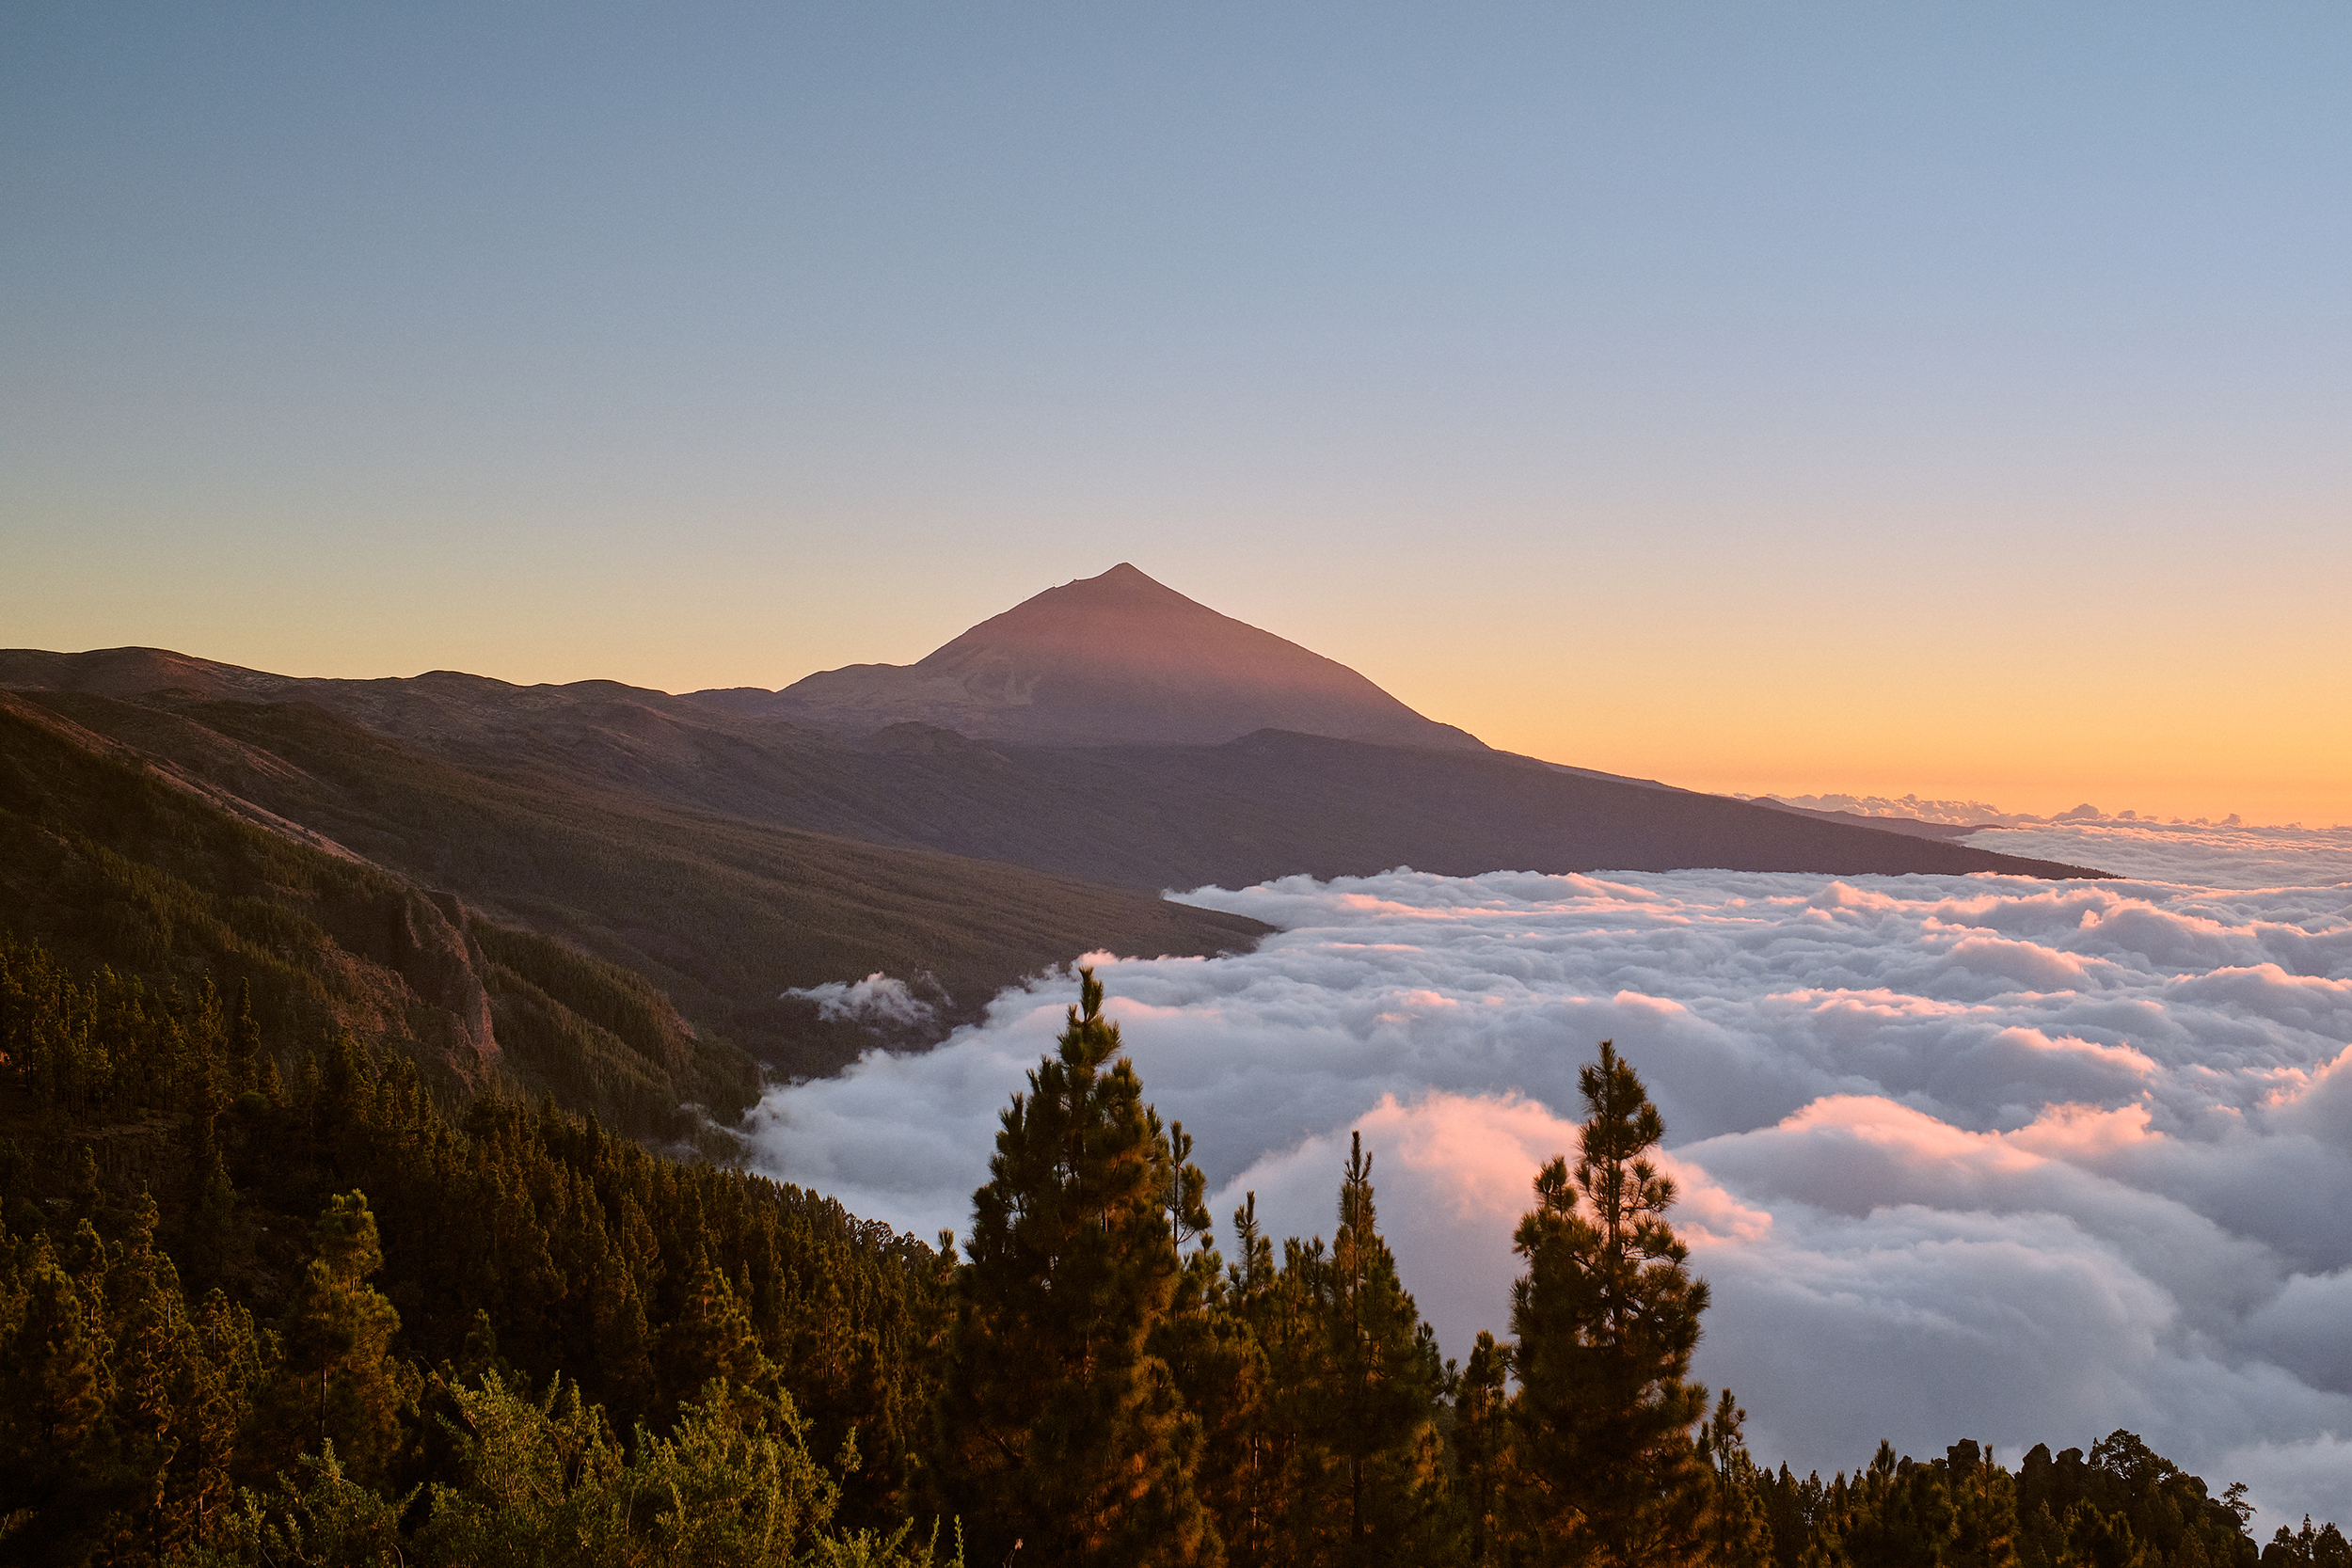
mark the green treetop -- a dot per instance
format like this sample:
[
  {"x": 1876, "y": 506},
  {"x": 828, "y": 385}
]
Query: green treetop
[
  {"x": 1062, "y": 1432},
  {"x": 1606, "y": 1318}
]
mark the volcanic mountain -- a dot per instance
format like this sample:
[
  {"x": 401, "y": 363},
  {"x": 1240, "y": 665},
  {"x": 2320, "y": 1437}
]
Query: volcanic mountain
[{"x": 1114, "y": 660}]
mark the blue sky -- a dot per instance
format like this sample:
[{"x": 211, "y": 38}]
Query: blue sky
[{"x": 1770, "y": 396}]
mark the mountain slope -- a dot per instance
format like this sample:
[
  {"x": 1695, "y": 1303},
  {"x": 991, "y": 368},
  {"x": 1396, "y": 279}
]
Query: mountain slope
[
  {"x": 1107, "y": 660},
  {"x": 1146, "y": 818},
  {"x": 105, "y": 860},
  {"x": 1276, "y": 803},
  {"x": 723, "y": 914}
]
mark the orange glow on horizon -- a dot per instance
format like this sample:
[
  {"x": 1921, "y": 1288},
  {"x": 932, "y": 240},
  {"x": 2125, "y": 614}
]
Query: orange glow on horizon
[
  {"x": 2273, "y": 785},
  {"x": 2175, "y": 737}
]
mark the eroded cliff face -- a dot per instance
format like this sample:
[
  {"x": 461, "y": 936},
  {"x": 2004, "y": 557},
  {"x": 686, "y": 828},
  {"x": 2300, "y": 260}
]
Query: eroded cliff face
[{"x": 428, "y": 947}]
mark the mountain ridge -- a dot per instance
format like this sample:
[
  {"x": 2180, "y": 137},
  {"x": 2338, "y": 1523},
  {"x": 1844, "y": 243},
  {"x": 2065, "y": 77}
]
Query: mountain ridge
[{"x": 1147, "y": 819}]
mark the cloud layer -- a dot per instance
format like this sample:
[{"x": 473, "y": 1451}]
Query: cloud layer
[
  {"x": 2217, "y": 855},
  {"x": 1961, "y": 1156}
]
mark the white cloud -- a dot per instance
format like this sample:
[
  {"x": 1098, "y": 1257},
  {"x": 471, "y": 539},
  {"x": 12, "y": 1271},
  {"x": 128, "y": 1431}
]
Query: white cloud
[
  {"x": 1961, "y": 1156},
  {"x": 879, "y": 1001}
]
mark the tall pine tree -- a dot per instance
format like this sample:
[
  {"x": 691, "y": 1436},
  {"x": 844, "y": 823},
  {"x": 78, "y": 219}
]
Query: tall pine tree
[
  {"x": 1384, "y": 1376},
  {"x": 341, "y": 1382},
  {"x": 1482, "y": 1440},
  {"x": 1606, "y": 1318},
  {"x": 1738, "y": 1533},
  {"x": 1061, "y": 1431}
]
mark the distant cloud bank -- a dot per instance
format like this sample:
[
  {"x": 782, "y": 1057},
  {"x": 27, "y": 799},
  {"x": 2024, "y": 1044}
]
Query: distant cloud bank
[
  {"x": 1978, "y": 812},
  {"x": 1961, "y": 1156},
  {"x": 1908, "y": 805}
]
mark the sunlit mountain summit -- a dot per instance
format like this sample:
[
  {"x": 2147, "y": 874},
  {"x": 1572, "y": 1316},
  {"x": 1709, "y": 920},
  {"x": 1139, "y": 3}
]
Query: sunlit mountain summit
[{"x": 1114, "y": 660}]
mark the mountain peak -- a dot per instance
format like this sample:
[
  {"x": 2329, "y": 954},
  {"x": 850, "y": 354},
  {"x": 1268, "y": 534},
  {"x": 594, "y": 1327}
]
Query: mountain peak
[
  {"x": 1119, "y": 659},
  {"x": 1126, "y": 579},
  {"x": 1124, "y": 586}
]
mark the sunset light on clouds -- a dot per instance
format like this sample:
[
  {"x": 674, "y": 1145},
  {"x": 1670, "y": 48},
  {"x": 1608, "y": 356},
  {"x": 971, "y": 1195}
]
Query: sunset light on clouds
[
  {"x": 1961, "y": 1154},
  {"x": 676, "y": 571}
]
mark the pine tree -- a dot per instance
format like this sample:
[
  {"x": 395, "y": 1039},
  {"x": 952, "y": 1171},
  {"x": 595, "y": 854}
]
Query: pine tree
[
  {"x": 209, "y": 1201},
  {"x": 1341, "y": 1460},
  {"x": 341, "y": 1382},
  {"x": 711, "y": 1340},
  {"x": 1606, "y": 1318},
  {"x": 1206, "y": 1341},
  {"x": 1482, "y": 1437},
  {"x": 55, "y": 1388},
  {"x": 1383, "y": 1389},
  {"x": 1063, "y": 1432},
  {"x": 229, "y": 1373},
  {"x": 1304, "y": 1514},
  {"x": 1248, "y": 1467},
  {"x": 1738, "y": 1533},
  {"x": 2323, "y": 1548},
  {"x": 245, "y": 1041}
]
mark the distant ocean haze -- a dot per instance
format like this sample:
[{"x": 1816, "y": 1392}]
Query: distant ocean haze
[{"x": 1963, "y": 1156}]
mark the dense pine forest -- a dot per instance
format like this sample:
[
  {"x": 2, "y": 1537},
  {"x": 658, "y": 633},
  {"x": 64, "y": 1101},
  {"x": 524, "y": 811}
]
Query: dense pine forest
[{"x": 276, "y": 1301}]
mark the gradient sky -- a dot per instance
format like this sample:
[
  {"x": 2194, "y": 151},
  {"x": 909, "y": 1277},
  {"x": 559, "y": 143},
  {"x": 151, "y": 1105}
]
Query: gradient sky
[{"x": 1942, "y": 399}]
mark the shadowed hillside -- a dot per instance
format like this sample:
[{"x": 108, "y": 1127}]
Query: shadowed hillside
[
  {"x": 722, "y": 913},
  {"x": 1276, "y": 803},
  {"x": 107, "y": 863},
  {"x": 1269, "y": 804}
]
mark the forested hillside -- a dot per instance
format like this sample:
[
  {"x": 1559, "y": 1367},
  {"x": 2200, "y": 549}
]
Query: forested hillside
[
  {"x": 269, "y": 1300},
  {"x": 223, "y": 1256},
  {"x": 720, "y": 914},
  {"x": 104, "y": 862}
]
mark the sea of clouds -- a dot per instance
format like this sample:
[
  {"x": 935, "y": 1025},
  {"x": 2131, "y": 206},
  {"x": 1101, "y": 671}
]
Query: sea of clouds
[{"x": 1960, "y": 1156}]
